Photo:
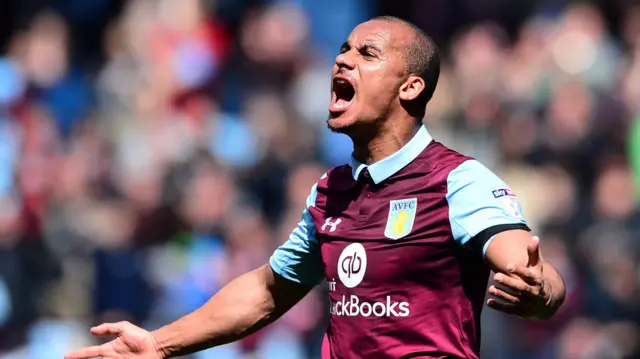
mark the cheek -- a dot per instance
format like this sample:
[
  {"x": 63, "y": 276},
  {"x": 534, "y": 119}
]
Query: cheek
[{"x": 380, "y": 91}]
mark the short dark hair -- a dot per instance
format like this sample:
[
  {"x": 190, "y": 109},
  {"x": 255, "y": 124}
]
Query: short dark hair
[{"x": 422, "y": 57}]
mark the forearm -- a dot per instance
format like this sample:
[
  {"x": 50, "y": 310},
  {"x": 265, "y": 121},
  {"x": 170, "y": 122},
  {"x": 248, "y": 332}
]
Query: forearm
[{"x": 242, "y": 307}]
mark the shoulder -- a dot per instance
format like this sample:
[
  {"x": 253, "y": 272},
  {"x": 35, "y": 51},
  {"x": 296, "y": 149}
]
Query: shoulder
[
  {"x": 472, "y": 172},
  {"x": 452, "y": 171},
  {"x": 334, "y": 181},
  {"x": 337, "y": 179},
  {"x": 438, "y": 161},
  {"x": 443, "y": 158},
  {"x": 449, "y": 163},
  {"x": 472, "y": 187}
]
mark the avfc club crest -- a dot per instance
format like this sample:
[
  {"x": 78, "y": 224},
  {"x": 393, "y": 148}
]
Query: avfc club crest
[{"x": 402, "y": 214}]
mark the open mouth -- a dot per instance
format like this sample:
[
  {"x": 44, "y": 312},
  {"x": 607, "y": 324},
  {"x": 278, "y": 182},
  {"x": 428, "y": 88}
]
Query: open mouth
[{"x": 342, "y": 94}]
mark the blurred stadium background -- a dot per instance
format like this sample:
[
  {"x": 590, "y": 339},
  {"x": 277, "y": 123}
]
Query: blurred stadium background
[{"x": 150, "y": 150}]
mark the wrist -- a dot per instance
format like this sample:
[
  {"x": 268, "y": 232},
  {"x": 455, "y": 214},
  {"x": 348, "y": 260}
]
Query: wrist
[
  {"x": 163, "y": 340},
  {"x": 551, "y": 302}
]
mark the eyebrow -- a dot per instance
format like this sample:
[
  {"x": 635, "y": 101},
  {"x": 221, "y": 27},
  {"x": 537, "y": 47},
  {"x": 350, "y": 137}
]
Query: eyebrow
[
  {"x": 365, "y": 45},
  {"x": 371, "y": 46}
]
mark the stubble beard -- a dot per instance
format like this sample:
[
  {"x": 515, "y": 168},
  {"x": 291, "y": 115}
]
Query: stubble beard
[{"x": 343, "y": 129}]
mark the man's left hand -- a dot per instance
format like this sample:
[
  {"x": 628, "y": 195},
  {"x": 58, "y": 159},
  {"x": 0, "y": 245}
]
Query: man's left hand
[{"x": 523, "y": 292}]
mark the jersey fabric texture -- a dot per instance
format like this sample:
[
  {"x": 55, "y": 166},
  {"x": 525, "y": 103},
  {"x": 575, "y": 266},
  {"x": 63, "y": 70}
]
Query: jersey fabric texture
[{"x": 401, "y": 245}]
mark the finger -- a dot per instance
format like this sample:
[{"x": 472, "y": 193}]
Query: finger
[
  {"x": 112, "y": 329},
  {"x": 533, "y": 249},
  {"x": 529, "y": 275},
  {"x": 86, "y": 353},
  {"x": 513, "y": 285},
  {"x": 503, "y": 295},
  {"x": 507, "y": 308}
]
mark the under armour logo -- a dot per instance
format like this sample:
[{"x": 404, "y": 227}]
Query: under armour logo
[{"x": 333, "y": 225}]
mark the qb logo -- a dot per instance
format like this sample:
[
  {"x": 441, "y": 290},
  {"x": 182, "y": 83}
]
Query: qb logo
[
  {"x": 352, "y": 265},
  {"x": 332, "y": 225}
]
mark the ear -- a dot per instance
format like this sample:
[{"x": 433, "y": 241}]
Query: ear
[{"x": 411, "y": 88}]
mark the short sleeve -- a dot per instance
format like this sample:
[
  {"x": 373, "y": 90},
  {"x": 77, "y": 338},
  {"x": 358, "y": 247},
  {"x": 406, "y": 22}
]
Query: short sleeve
[
  {"x": 299, "y": 259},
  {"x": 481, "y": 205}
]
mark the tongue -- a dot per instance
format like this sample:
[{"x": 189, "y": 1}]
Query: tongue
[{"x": 341, "y": 103}]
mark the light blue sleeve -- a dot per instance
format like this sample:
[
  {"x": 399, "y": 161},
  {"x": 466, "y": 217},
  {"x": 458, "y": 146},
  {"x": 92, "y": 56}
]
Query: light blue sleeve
[
  {"x": 479, "y": 200},
  {"x": 299, "y": 259}
]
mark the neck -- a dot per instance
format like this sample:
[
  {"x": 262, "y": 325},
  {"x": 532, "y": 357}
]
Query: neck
[{"x": 388, "y": 140}]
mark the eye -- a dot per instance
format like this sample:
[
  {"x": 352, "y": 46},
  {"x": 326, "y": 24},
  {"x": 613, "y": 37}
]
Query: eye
[
  {"x": 366, "y": 51},
  {"x": 344, "y": 48}
]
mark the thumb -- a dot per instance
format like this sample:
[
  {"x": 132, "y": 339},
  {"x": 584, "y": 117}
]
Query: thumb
[
  {"x": 533, "y": 250},
  {"x": 108, "y": 329}
]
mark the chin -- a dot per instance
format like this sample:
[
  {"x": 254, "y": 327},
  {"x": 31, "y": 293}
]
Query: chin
[{"x": 341, "y": 123}]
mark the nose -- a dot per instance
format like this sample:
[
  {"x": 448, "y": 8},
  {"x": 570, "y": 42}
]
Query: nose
[{"x": 346, "y": 60}]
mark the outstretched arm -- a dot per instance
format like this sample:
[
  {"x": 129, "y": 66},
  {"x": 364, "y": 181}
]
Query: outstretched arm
[
  {"x": 527, "y": 286},
  {"x": 253, "y": 300},
  {"x": 242, "y": 307}
]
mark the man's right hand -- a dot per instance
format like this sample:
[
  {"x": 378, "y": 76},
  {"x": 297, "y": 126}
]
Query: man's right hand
[
  {"x": 131, "y": 342},
  {"x": 242, "y": 307}
]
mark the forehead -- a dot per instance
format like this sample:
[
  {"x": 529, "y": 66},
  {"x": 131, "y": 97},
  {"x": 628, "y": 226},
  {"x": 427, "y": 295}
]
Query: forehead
[{"x": 387, "y": 35}]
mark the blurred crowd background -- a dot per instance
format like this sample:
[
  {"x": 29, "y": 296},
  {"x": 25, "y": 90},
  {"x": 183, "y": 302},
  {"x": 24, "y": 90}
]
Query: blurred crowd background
[{"x": 151, "y": 150}]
